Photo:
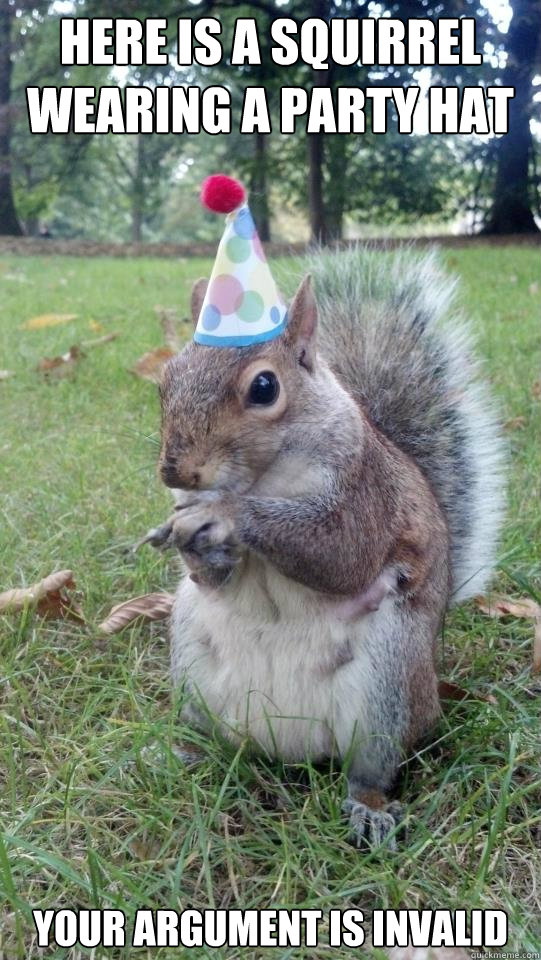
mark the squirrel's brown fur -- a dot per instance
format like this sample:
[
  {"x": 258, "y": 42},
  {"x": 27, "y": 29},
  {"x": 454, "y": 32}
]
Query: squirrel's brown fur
[{"x": 319, "y": 555}]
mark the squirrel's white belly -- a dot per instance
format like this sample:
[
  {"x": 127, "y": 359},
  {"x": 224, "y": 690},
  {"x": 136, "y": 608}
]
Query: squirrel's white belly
[{"x": 270, "y": 658}]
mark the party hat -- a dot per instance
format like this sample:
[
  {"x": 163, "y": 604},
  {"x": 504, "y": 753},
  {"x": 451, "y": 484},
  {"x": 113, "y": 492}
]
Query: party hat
[{"x": 242, "y": 305}]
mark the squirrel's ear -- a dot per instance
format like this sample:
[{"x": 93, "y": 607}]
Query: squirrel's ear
[
  {"x": 302, "y": 323},
  {"x": 199, "y": 290}
]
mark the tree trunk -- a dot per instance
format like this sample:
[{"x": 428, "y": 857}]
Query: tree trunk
[
  {"x": 138, "y": 195},
  {"x": 316, "y": 206},
  {"x": 259, "y": 198},
  {"x": 316, "y": 150},
  {"x": 336, "y": 160},
  {"x": 136, "y": 222},
  {"x": 9, "y": 223},
  {"x": 511, "y": 210},
  {"x": 316, "y": 172}
]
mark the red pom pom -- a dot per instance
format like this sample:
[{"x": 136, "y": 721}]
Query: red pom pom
[{"x": 221, "y": 194}]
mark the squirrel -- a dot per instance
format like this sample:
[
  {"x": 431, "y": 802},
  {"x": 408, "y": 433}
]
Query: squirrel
[{"x": 338, "y": 488}]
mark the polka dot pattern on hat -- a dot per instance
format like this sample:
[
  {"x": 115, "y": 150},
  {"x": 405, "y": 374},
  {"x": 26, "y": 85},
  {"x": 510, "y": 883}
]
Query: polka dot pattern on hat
[
  {"x": 252, "y": 307},
  {"x": 242, "y": 305},
  {"x": 211, "y": 317},
  {"x": 237, "y": 249},
  {"x": 225, "y": 293},
  {"x": 244, "y": 225}
]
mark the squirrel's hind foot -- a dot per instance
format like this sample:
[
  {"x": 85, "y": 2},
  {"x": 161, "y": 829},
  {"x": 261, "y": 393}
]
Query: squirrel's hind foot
[{"x": 371, "y": 828}]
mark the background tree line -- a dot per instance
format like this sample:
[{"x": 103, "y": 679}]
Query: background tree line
[{"x": 142, "y": 187}]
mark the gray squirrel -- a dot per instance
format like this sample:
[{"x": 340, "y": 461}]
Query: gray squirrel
[{"x": 337, "y": 488}]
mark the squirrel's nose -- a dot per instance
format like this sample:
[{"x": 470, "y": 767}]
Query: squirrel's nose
[{"x": 174, "y": 476}]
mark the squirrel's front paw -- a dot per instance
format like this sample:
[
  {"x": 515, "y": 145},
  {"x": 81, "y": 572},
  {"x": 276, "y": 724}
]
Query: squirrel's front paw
[
  {"x": 204, "y": 532},
  {"x": 202, "y": 529},
  {"x": 158, "y": 537},
  {"x": 203, "y": 523},
  {"x": 371, "y": 828}
]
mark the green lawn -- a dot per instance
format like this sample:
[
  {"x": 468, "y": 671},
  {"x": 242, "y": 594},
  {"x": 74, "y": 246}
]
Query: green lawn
[{"x": 87, "y": 817}]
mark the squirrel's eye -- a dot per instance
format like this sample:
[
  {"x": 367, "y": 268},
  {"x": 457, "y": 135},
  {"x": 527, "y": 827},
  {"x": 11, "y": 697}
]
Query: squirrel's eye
[{"x": 264, "y": 388}]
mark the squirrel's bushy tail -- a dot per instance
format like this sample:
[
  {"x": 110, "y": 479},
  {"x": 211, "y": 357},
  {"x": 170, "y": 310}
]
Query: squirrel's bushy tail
[{"x": 388, "y": 332}]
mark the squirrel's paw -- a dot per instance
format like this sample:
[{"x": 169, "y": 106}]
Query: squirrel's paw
[
  {"x": 158, "y": 537},
  {"x": 373, "y": 828},
  {"x": 203, "y": 524},
  {"x": 203, "y": 531}
]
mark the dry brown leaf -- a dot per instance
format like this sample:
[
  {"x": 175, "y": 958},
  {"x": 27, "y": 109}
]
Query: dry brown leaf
[
  {"x": 525, "y": 608},
  {"x": 49, "y": 596},
  {"x": 145, "y": 851},
  {"x": 48, "y": 320},
  {"x": 498, "y": 606},
  {"x": 170, "y": 325},
  {"x": 451, "y": 691},
  {"x": 151, "y": 606},
  {"x": 5, "y": 374},
  {"x": 60, "y": 366},
  {"x": 99, "y": 341},
  {"x": 150, "y": 365},
  {"x": 515, "y": 423}
]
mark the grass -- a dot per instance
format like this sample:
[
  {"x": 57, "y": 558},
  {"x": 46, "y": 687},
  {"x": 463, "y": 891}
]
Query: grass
[{"x": 87, "y": 817}]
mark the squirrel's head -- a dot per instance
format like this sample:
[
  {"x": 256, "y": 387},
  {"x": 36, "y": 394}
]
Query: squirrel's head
[{"x": 228, "y": 411}]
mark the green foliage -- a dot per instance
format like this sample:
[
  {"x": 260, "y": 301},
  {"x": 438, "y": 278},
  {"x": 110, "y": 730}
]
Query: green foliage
[
  {"x": 36, "y": 201},
  {"x": 127, "y": 187},
  {"x": 46, "y": 168}
]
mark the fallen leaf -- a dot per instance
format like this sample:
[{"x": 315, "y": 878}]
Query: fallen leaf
[
  {"x": 99, "y": 341},
  {"x": 150, "y": 365},
  {"x": 151, "y": 606},
  {"x": 61, "y": 366},
  {"x": 499, "y": 606},
  {"x": 49, "y": 596},
  {"x": 145, "y": 851},
  {"x": 170, "y": 322},
  {"x": 451, "y": 691},
  {"x": 515, "y": 423},
  {"x": 95, "y": 325},
  {"x": 48, "y": 320},
  {"x": 525, "y": 608},
  {"x": 5, "y": 374}
]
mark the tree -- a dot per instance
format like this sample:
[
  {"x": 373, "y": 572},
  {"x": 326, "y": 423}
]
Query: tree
[
  {"x": 36, "y": 168},
  {"x": 144, "y": 187},
  {"x": 141, "y": 168},
  {"x": 9, "y": 222},
  {"x": 511, "y": 210}
]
